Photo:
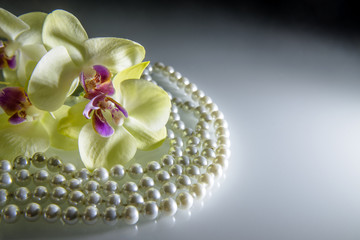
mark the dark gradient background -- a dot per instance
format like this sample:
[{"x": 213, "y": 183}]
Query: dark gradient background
[{"x": 286, "y": 75}]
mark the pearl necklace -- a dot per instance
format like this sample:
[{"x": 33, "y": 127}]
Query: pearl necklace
[{"x": 198, "y": 152}]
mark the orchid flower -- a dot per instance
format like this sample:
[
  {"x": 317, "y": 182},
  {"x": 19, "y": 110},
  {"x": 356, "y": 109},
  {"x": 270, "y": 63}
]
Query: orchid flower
[
  {"x": 132, "y": 117},
  {"x": 71, "y": 55},
  {"x": 22, "y": 47}
]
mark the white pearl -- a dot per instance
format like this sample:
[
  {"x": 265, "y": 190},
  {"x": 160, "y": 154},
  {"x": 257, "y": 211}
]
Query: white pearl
[
  {"x": 203, "y": 134},
  {"x": 110, "y": 187},
  {"x": 167, "y": 160},
  {"x": 198, "y": 191},
  {"x": 3, "y": 197},
  {"x": 175, "y": 170},
  {"x": 210, "y": 143},
  {"x": 200, "y": 110},
  {"x": 117, "y": 172},
  {"x": 83, "y": 174},
  {"x": 193, "y": 141},
  {"x": 11, "y": 213},
  {"x": 187, "y": 132},
  {"x": 202, "y": 125},
  {"x": 101, "y": 174},
  {"x": 177, "y": 142},
  {"x": 188, "y": 105},
  {"x": 146, "y": 182},
  {"x": 190, "y": 88},
  {"x": 68, "y": 169},
  {"x": 168, "y": 70},
  {"x": 183, "y": 160},
  {"x": 170, "y": 134},
  {"x": 208, "y": 153},
  {"x": 76, "y": 197},
  {"x": 110, "y": 216},
  {"x": 153, "y": 167},
  {"x": 215, "y": 169},
  {"x": 206, "y": 117},
  {"x": 207, "y": 179},
  {"x": 91, "y": 186},
  {"x": 169, "y": 188},
  {"x": 58, "y": 194},
  {"x": 183, "y": 181},
  {"x": 38, "y": 160},
  {"x": 205, "y": 100},
  {"x": 221, "y": 131},
  {"x": 211, "y": 107},
  {"x": 174, "y": 108},
  {"x": 91, "y": 215},
  {"x": 71, "y": 215},
  {"x": 158, "y": 66},
  {"x": 21, "y": 162},
  {"x": 22, "y": 177},
  {"x": 22, "y": 194},
  {"x": 191, "y": 150},
  {"x": 114, "y": 199},
  {"x": 225, "y": 141},
  {"x": 5, "y": 166},
  {"x": 146, "y": 77},
  {"x": 223, "y": 150},
  {"x": 54, "y": 164},
  {"x": 93, "y": 198},
  {"x": 174, "y": 116},
  {"x": 135, "y": 199},
  {"x": 40, "y": 193},
  {"x": 200, "y": 161},
  {"x": 178, "y": 125},
  {"x": 222, "y": 161},
  {"x": 168, "y": 206},
  {"x": 184, "y": 200},
  {"x": 52, "y": 213},
  {"x": 151, "y": 210},
  {"x": 175, "y": 151},
  {"x": 196, "y": 95},
  {"x": 58, "y": 180},
  {"x": 162, "y": 176},
  {"x": 130, "y": 215},
  {"x": 220, "y": 123},
  {"x": 217, "y": 114},
  {"x": 136, "y": 171},
  {"x": 152, "y": 194},
  {"x": 41, "y": 176},
  {"x": 5, "y": 180},
  {"x": 129, "y": 187},
  {"x": 73, "y": 184},
  {"x": 182, "y": 82},
  {"x": 32, "y": 212},
  {"x": 193, "y": 170},
  {"x": 174, "y": 76}
]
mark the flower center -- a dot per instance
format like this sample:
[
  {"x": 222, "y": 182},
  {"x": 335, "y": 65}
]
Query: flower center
[
  {"x": 96, "y": 81},
  {"x": 5, "y": 60}
]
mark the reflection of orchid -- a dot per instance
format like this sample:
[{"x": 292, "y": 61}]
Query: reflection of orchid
[
  {"x": 22, "y": 47},
  {"x": 72, "y": 53}
]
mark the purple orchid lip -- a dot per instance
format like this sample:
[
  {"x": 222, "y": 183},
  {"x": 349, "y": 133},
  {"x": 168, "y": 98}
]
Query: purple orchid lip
[
  {"x": 6, "y": 61},
  {"x": 14, "y": 101},
  {"x": 100, "y": 124}
]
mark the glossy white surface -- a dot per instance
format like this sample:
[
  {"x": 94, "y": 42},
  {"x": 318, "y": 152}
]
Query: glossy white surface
[{"x": 293, "y": 105}]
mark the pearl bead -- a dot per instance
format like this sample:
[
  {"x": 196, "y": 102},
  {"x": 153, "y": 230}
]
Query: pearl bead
[
  {"x": 174, "y": 116},
  {"x": 136, "y": 171},
  {"x": 91, "y": 186},
  {"x": 191, "y": 150},
  {"x": 68, "y": 169},
  {"x": 82, "y": 174},
  {"x": 206, "y": 117},
  {"x": 202, "y": 134},
  {"x": 206, "y": 179},
  {"x": 149, "y": 68},
  {"x": 211, "y": 107},
  {"x": 54, "y": 164},
  {"x": 209, "y": 144},
  {"x": 93, "y": 198},
  {"x": 168, "y": 206},
  {"x": 215, "y": 169},
  {"x": 174, "y": 76},
  {"x": 146, "y": 182},
  {"x": 217, "y": 114},
  {"x": 90, "y": 215},
  {"x": 190, "y": 88},
  {"x": 198, "y": 191},
  {"x": 158, "y": 66},
  {"x": 130, "y": 215},
  {"x": 196, "y": 95},
  {"x": 205, "y": 100},
  {"x": 135, "y": 199},
  {"x": 21, "y": 162},
  {"x": 76, "y": 197},
  {"x": 52, "y": 213},
  {"x": 170, "y": 134},
  {"x": 5, "y": 180},
  {"x": 222, "y": 150},
  {"x": 222, "y": 161},
  {"x": 176, "y": 102},
  {"x": 129, "y": 187},
  {"x": 183, "y": 181},
  {"x": 187, "y": 132},
  {"x": 193, "y": 171},
  {"x": 187, "y": 106},
  {"x": 146, "y": 77},
  {"x": 162, "y": 176},
  {"x": 200, "y": 161},
  {"x": 184, "y": 160},
  {"x": 167, "y": 160},
  {"x": 38, "y": 160},
  {"x": 40, "y": 193},
  {"x": 32, "y": 212},
  {"x": 182, "y": 82},
  {"x": 73, "y": 184},
  {"x": 202, "y": 125},
  {"x": 22, "y": 177},
  {"x": 175, "y": 170},
  {"x": 174, "y": 108},
  {"x": 176, "y": 142},
  {"x": 152, "y": 194},
  {"x": 101, "y": 175},
  {"x": 71, "y": 215},
  {"x": 11, "y": 213},
  {"x": 58, "y": 180},
  {"x": 41, "y": 177},
  {"x": 114, "y": 199},
  {"x": 221, "y": 131},
  {"x": 220, "y": 123},
  {"x": 151, "y": 210},
  {"x": 208, "y": 153},
  {"x": 184, "y": 200},
  {"x": 225, "y": 141},
  {"x": 153, "y": 167},
  {"x": 58, "y": 194},
  {"x": 175, "y": 151},
  {"x": 22, "y": 194},
  {"x": 110, "y": 216},
  {"x": 178, "y": 125},
  {"x": 117, "y": 172},
  {"x": 3, "y": 197},
  {"x": 193, "y": 141},
  {"x": 5, "y": 166},
  {"x": 110, "y": 187},
  {"x": 168, "y": 70},
  {"x": 169, "y": 188},
  {"x": 200, "y": 110}
]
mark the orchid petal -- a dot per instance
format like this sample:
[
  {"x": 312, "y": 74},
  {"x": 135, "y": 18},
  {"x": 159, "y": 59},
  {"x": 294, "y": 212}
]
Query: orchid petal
[
  {"x": 72, "y": 124},
  {"x": 10, "y": 25},
  {"x": 115, "y": 53},
  {"x": 61, "y": 28},
  {"x": 97, "y": 151},
  {"x": 146, "y": 139},
  {"x": 147, "y": 103},
  {"x": 100, "y": 125},
  {"x": 25, "y": 138},
  {"x": 58, "y": 140},
  {"x": 52, "y": 79},
  {"x": 92, "y": 105},
  {"x": 16, "y": 119},
  {"x": 35, "y": 20}
]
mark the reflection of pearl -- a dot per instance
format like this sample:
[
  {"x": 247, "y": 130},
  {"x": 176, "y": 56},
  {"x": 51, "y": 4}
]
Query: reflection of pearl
[{"x": 196, "y": 157}]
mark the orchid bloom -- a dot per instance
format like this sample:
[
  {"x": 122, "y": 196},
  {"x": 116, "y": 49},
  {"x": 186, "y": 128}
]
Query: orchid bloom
[
  {"x": 72, "y": 55},
  {"x": 22, "y": 47}
]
